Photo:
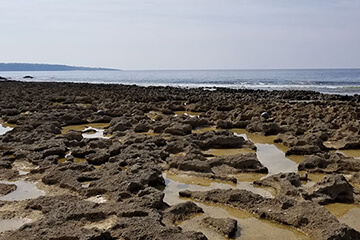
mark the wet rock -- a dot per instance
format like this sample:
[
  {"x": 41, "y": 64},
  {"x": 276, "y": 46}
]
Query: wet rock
[
  {"x": 97, "y": 158},
  {"x": 179, "y": 129},
  {"x": 351, "y": 142},
  {"x": 196, "y": 164},
  {"x": 222, "y": 139},
  {"x": 222, "y": 124},
  {"x": 175, "y": 146},
  {"x": 66, "y": 175},
  {"x": 8, "y": 174},
  {"x": 284, "y": 184},
  {"x": 175, "y": 107},
  {"x": 287, "y": 140},
  {"x": 118, "y": 124},
  {"x": 124, "y": 184},
  {"x": 51, "y": 159},
  {"x": 7, "y": 188},
  {"x": 329, "y": 162},
  {"x": 115, "y": 148},
  {"x": 193, "y": 165},
  {"x": 100, "y": 119},
  {"x": 355, "y": 178},
  {"x": 61, "y": 213},
  {"x": 332, "y": 188},
  {"x": 82, "y": 152},
  {"x": 225, "y": 226},
  {"x": 75, "y": 120},
  {"x": 73, "y": 135},
  {"x": 59, "y": 151},
  {"x": 265, "y": 128},
  {"x": 100, "y": 143},
  {"x": 10, "y": 112},
  {"x": 181, "y": 212},
  {"x": 196, "y": 122},
  {"x": 160, "y": 127},
  {"x": 303, "y": 150},
  {"x": 48, "y": 128},
  {"x": 225, "y": 107},
  {"x": 142, "y": 127},
  {"x": 150, "y": 227},
  {"x": 247, "y": 162},
  {"x": 5, "y": 163},
  {"x": 304, "y": 145}
]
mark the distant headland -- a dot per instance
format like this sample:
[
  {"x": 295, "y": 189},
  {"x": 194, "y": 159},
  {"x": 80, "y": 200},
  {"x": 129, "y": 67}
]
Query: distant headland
[{"x": 47, "y": 67}]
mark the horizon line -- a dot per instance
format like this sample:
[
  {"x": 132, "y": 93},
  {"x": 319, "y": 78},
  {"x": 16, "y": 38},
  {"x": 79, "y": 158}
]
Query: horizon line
[
  {"x": 190, "y": 69},
  {"x": 242, "y": 69}
]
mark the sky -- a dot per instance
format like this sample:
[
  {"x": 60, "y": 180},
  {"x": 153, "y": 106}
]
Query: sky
[{"x": 182, "y": 34}]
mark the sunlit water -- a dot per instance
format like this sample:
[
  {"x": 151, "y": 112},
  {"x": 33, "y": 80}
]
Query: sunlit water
[
  {"x": 24, "y": 190},
  {"x": 342, "y": 81},
  {"x": 4, "y": 129}
]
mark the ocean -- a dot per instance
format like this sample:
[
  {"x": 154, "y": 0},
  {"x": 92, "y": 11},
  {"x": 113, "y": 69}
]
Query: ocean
[{"x": 334, "y": 81}]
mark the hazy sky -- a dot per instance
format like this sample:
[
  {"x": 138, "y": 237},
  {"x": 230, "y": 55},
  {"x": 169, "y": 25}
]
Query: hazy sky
[{"x": 182, "y": 34}]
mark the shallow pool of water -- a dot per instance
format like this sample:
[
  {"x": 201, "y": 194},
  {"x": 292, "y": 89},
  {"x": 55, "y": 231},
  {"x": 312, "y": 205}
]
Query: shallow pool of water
[
  {"x": 90, "y": 130},
  {"x": 181, "y": 182},
  {"x": 25, "y": 190},
  {"x": 274, "y": 159},
  {"x": 4, "y": 128},
  {"x": 341, "y": 209},
  {"x": 351, "y": 152},
  {"x": 271, "y": 155},
  {"x": 249, "y": 227},
  {"x": 351, "y": 218},
  {"x": 12, "y": 224}
]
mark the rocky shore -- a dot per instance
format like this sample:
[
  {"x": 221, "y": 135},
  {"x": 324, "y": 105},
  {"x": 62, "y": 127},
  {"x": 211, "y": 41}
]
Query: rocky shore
[{"x": 96, "y": 154}]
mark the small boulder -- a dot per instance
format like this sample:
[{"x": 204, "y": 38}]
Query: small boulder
[
  {"x": 73, "y": 135},
  {"x": 225, "y": 226},
  {"x": 332, "y": 188},
  {"x": 7, "y": 188},
  {"x": 265, "y": 115},
  {"x": 100, "y": 112},
  {"x": 182, "y": 211},
  {"x": 179, "y": 129},
  {"x": 97, "y": 158}
]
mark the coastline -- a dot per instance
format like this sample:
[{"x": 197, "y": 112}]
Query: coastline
[
  {"x": 337, "y": 81},
  {"x": 113, "y": 186}
]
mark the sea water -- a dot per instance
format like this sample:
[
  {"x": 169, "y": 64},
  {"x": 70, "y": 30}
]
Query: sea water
[{"x": 335, "y": 81}]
